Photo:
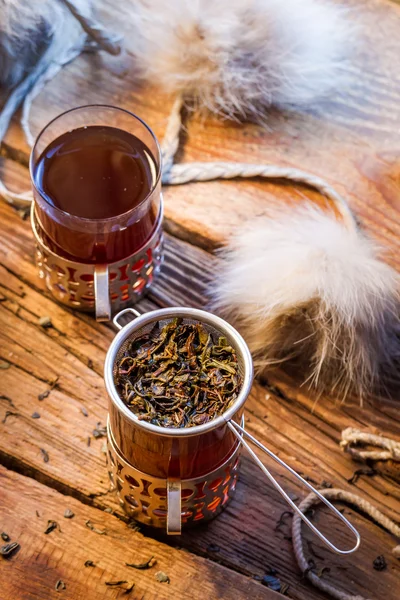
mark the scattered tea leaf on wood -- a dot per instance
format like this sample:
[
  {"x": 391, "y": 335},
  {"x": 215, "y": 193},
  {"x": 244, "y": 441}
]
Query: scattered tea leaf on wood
[
  {"x": 143, "y": 566},
  {"x": 89, "y": 563},
  {"x": 115, "y": 583},
  {"x": 45, "y": 455},
  {"x": 51, "y": 526},
  {"x": 162, "y": 577},
  {"x": 4, "y": 364},
  {"x": 368, "y": 472},
  {"x": 43, "y": 395},
  {"x": 88, "y": 441},
  {"x": 9, "y": 549},
  {"x": 68, "y": 514},
  {"x": 9, "y": 413},
  {"x": 90, "y": 363},
  {"x": 60, "y": 585},
  {"x": 380, "y": 563},
  {"x": 5, "y": 537},
  {"x": 35, "y": 415},
  {"x": 84, "y": 411},
  {"x": 90, "y": 526},
  {"x": 272, "y": 582},
  {"x": 100, "y": 431},
  {"x": 45, "y": 322},
  {"x": 178, "y": 375}
]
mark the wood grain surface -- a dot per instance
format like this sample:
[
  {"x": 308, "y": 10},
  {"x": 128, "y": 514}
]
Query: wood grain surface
[
  {"x": 44, "y": 560},
  {"x": 351, "y": 140}
]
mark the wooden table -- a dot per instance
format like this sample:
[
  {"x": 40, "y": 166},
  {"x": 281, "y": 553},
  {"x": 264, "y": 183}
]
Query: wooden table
[{"x": 352, "y": 141}]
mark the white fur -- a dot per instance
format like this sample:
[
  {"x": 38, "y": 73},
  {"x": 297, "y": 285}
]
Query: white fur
[
  {"x": 27, "y": 29},
  {"x": 237, "y": 57},
  {"x": 303, "y": 262}
]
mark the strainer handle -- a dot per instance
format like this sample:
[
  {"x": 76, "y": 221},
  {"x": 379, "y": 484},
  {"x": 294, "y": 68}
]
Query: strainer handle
[
  {"x": 124, "y": 312},
  {"x": 240, "y": 433}
]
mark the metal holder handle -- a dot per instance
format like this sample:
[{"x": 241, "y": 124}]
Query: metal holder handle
[
  {"x": 102, "y": 293},
  {"x": 240, "y": 433}
]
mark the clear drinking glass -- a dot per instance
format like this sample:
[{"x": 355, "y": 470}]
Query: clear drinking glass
[
  {"x": 83, "y": 258},
  {"x": 97, "y": 240}
]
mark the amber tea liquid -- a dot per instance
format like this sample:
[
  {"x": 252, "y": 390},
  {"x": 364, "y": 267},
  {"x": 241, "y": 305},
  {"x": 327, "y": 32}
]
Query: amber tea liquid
[{"x": 97, "y": 173}]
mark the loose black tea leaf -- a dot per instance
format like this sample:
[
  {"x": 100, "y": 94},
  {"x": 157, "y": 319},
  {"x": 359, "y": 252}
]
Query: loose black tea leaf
[
  {"x": 272, "y": 582},
  {"x": 44, "y": 395},
  {"x": 380, "y": 563},
  {"x": 9, "y": 549},
  {"x": 7, "y": 414},
  {"x": 60, "y": 585},
  {"x": 45, "y": 455},
  {"x": 354, "y": 478},
  {"x": 35, "y": 415},
  {"x": 89, "y": 563},
  {"x": 51, "y": 526},
  {"x": 45, "y": 322},
  {"x": 88, "y": 441},
  {"x": 4, "y": 364},
  {"x": 178, "y": 375},
  {"x": 90, "y": 526},
  {"x": 68, "y": 514},
  {"x": 143, "y": 566},
  {"x": 37, "y": 513},
  {"x": 84, "y": 411},
  {"x": 162, "y": 577},
  {"x": 115, "y": 583},
  {"x": 100, "y": 431},
  {"x": 5, "y": 537},
  {"x": 90, "y": 363}
]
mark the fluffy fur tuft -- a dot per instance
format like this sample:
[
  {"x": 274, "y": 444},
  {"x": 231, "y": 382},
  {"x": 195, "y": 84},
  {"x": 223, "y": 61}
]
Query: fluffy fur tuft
[
  {"x": 306, "y": 291},
  {"x": 237, "y": 58}
]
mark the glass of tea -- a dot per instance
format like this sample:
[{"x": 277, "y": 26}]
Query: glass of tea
[{"x": 97, "y": 208}]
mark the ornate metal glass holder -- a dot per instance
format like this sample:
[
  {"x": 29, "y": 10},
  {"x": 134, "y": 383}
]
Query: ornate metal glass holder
[{"x": 116, "y": 285}]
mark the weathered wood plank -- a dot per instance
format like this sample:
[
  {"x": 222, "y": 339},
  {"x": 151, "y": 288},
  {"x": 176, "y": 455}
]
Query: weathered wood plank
[
  {"x": 42, "y": 560},
  {"x": 308, "y": 441}
]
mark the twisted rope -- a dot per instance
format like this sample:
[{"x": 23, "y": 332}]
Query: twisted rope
[
  {"x": 177, "y": 174},
  {"x": 354, "y": 437},
  {"x": 349, "y": 498}
]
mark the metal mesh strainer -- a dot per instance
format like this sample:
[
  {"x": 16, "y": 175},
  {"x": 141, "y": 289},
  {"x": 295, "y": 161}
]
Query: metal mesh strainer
[
  {"x": 216, "y": 326},
  {"x": 213, "y": 324}
]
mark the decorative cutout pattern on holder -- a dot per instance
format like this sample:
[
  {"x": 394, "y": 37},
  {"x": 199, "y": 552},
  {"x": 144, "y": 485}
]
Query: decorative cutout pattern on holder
[
  {"x": 72, "y": 283},
  {"x": 144, "y": 497}
]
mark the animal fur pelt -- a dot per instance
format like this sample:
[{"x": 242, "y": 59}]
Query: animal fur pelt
[
  {"x": 306, "y": 291},
  {"x": 237, "y": 58}
]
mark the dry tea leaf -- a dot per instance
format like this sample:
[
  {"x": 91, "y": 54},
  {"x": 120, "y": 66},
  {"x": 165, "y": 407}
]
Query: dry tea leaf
[
  {"x": 5, "y": 537},
  {"x": 43, "y": 395},
  {"x": 51, "y": 526},
  {"x": 178, "y": 375},
  {"x": 68, "y": 514},
  {"x": 45, "y": 322},
  {"x": 90, "y": 526},
  {"x": 35, "y": 415},
  {"x": 4, "y": 364},
  {"x": 60, "y": 585},
  {"x": 9, "y": 549},
  {"x": 45, "y": 455},
  {"x": 89, "y": 563},
  {"x": 143, "y": 566},
  {"x": 380, "y": 563},
  {"x": 162, "y": 577}
]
